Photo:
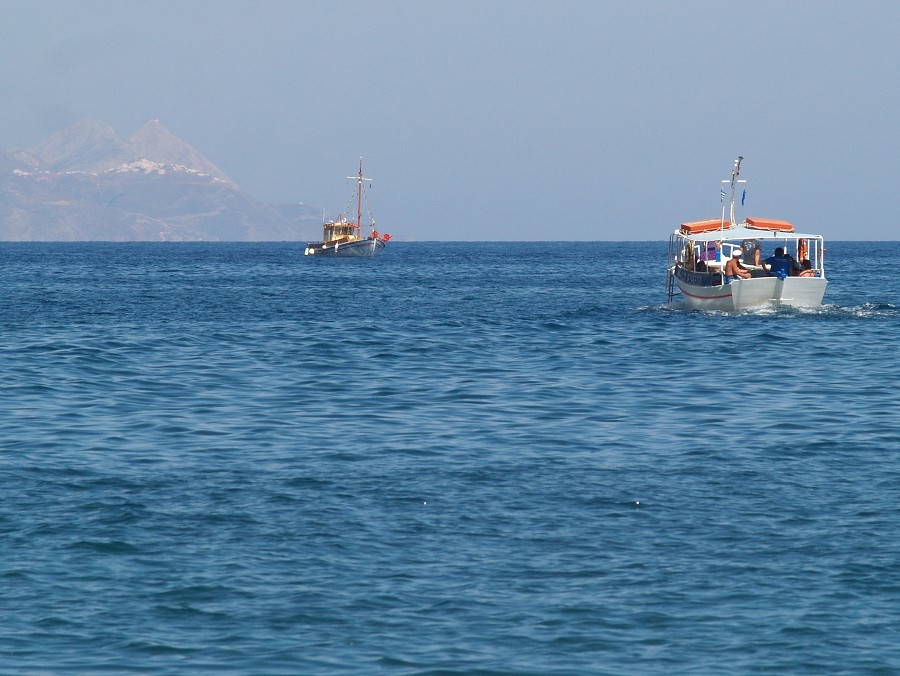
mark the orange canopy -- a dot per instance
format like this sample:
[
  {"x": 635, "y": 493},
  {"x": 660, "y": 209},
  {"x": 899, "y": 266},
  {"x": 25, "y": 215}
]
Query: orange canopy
[
  {"x": 769, "y": 224},
  {"x": 703, "y": 226}
]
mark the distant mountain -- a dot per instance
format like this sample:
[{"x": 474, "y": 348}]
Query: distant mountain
[
  {"x": 85, "y": 183},
  {"x": 90, "y": 145}
]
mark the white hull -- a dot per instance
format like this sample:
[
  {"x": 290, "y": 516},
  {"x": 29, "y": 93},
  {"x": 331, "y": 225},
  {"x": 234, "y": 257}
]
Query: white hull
[{"x": 753, "y": 294}]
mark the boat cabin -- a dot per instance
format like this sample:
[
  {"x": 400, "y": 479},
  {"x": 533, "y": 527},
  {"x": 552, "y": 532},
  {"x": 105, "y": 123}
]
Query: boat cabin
[{"x": 340, "y": 230}]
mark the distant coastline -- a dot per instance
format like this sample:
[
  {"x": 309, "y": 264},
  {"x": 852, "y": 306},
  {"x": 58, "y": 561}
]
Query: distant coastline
[{"x": 86, "y": 184}]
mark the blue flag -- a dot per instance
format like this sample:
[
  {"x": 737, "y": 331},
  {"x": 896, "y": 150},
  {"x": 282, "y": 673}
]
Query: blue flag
[
  {"x": 723, "y": 195},
  {"x": 743, "y": 197}
]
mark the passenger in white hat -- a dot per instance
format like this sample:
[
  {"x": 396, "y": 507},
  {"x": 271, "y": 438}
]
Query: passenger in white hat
[{"x": 734, "y": 269}]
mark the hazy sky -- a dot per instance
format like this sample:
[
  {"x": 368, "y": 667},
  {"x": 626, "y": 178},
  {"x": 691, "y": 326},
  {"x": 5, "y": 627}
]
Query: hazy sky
[{"x": 521, "y": 120}]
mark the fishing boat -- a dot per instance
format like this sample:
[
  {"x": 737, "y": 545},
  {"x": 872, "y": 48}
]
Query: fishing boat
[
  {"x": 775, "y": 265},
  {"x": 342, "y": 237}
]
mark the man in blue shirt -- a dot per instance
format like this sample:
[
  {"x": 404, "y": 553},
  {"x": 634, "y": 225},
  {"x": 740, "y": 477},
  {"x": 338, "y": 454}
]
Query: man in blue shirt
[{"x": 778, "y": 265}]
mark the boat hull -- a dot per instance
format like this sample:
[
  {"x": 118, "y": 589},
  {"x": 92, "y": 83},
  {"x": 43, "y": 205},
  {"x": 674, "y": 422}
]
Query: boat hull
[
  {"x": 363, "y": 248},
  {"x": 705, "y": 292}
]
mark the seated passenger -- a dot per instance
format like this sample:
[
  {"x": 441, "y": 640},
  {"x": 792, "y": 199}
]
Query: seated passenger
[
  {"x": 806, "y": 269},
  {"x": 709, "y": 252},
  {"x": 778, "y": 265},
  {"x": 734, "y": 270}
]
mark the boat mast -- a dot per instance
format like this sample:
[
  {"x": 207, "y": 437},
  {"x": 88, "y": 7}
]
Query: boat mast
[
  {"x": 734, "y": 181},
  {"x": 359, "y": 189}
]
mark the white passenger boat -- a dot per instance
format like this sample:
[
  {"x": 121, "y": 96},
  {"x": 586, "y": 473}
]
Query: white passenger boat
[
  {"x": 343, "y": 238},
  {"x": 775, "y": 265}
]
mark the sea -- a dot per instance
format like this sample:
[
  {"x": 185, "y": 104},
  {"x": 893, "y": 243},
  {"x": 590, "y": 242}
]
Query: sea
[{"x": 455, "y": 458}]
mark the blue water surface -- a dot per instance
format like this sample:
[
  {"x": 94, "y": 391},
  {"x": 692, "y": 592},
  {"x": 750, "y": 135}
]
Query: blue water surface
[{"x": 452, "y": 458}]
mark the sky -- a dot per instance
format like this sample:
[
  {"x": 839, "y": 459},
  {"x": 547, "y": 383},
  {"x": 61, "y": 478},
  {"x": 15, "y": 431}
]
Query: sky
[{"x": 492, "y": 120}]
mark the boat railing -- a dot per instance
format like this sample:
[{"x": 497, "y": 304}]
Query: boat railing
[
  {"x": 671, "y": 262},
  {"x": 717, "y": 252}
]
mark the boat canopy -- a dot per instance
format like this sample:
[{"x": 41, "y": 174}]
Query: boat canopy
[
  {"x": 769, "y": 224},
  {"x": 696, "y": 227},
  {"x": 742, "y": 232}
]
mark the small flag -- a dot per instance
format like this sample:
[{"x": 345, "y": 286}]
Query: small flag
[
  {"x": 743, "y": 197},
  {"x": 722, "y": 192}
]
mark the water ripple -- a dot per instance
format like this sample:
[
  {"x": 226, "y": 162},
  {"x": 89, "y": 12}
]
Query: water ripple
[{"x": 494, "y": 458}]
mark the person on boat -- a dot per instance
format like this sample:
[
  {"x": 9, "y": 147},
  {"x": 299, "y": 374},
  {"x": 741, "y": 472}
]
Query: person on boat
[
  {"x": 750, "y": 247},
  {"x": 806, "y": 269},
  {"x": 709, "y": 252},
  {"x": 734, "y": 269},
  {"x": 778, "y": 265}
]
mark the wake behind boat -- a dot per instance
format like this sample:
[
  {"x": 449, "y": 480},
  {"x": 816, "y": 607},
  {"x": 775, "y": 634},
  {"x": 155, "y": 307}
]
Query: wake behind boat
[
  {"x": 343, "y": 238},
  {"x": 719, "y": 264}
]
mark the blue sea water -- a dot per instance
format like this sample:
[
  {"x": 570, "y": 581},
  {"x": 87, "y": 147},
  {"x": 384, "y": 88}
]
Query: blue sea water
[{"x": 453, "y": 458}]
